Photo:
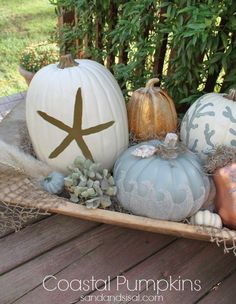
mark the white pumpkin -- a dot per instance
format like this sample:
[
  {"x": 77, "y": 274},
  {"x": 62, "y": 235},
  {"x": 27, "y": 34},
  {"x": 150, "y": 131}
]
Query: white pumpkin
[
  {"x": 76, "y": 108},
  {"x": 209, "y": 122},
  {"x": 206, "y": 218}
]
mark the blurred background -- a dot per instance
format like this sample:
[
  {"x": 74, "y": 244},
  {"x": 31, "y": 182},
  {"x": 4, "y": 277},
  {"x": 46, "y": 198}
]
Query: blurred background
[{"x": 189, "y": 44}]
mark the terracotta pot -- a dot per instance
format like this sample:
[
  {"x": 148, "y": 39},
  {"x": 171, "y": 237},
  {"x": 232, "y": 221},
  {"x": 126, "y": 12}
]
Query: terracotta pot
[
  {"x": 26, "y": 74},
  {"x": 225, "y": 200}
]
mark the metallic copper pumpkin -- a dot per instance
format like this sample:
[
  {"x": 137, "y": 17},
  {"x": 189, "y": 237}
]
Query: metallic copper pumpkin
[
  {"x": 151, "y": 112},
  {"x": 225, "y": 200}
]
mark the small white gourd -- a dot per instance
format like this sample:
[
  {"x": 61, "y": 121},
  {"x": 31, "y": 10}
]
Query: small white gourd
[
  {"x": 206, "y": 218},
  {"x": 54, "y": 183}
]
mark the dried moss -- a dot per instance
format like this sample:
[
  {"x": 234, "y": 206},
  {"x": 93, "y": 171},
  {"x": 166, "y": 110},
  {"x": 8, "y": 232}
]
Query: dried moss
[{"x": 223, "y": 156}]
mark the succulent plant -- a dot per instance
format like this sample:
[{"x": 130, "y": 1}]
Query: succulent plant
[{"x": 90, "y": 184}]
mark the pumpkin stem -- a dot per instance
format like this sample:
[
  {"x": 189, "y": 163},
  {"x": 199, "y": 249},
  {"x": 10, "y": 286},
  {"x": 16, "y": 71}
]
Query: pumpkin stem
[
  {"x": 232, "y": 94},
  {"x": 171, "y": 140},
  {"x": 67, "y": 61},
  {"x": 150, "y": 84},
  {"x": 170, "y": 148},
  {"x": 48, "y": 179}
]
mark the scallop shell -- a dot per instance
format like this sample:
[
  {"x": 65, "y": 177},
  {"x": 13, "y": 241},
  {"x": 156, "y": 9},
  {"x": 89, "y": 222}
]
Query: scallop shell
[{"x": 144, "y": 151}]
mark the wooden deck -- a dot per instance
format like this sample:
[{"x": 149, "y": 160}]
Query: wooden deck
[{"x": 72, "y": 250}]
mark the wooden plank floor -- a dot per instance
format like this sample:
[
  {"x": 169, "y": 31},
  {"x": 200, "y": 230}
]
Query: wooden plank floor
[
  {"x": 8, "y": 102},
  {"x": 69, "y": 249},
  {"x": 72, "y": 250}
]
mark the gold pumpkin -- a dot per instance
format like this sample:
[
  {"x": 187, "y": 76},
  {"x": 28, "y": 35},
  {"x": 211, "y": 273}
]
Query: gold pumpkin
[{"x": 151, "y": 112}]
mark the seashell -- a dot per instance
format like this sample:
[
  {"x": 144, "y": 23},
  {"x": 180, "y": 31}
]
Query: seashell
[
  {"x": 206, "y": 218},
  {"x": 144, "y": 151},
  {"x": 170, "y": 140}
]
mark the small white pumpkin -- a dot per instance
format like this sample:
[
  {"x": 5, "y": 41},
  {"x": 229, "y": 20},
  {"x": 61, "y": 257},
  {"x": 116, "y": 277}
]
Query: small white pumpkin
[
  {"x": 206, "y": 218},
  {"x": 54, "y": 183},
  {"x": 76, "y": 108},
  {"x": 209, "y": 122}
]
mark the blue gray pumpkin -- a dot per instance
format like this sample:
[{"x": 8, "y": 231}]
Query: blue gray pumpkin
[
  {"x": 210, "y": 122},
  {"x": 54, "y": 183},
  {"x": 168, "y": 186}
]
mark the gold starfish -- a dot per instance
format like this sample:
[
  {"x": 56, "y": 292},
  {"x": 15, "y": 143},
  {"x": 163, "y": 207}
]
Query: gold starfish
[{"x": 76, "y": 132}]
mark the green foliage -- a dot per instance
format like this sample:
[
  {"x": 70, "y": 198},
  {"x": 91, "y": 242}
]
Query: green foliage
[
  {"x": 22, "y": 23},
  {"x": 202, "y": 46},
  {"x": 36, "y": 56},
  {"x": 89, "y": 183},
  {"x": 189, "y": 44}
]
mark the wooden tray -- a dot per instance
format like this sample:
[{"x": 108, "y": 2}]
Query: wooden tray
[
  {"x": 144, "y": 223},
  {"x": 138, "y": 222},
  {"x": 117, "y": 218}
]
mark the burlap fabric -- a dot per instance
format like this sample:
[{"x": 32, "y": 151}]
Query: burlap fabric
[
  {"x": 218, "y": 236},
  {"x": 21, "y": 200}
]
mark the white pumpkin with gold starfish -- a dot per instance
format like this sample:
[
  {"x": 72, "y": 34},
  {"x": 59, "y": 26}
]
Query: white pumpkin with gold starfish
[{"x": 76, "y": 108}]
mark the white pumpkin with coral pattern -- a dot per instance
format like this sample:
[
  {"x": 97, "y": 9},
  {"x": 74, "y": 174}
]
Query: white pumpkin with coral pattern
[{"x": 210, "y": 122}]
